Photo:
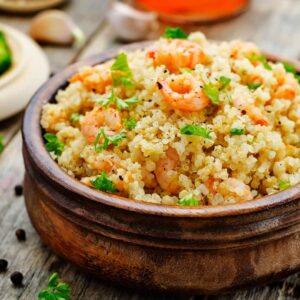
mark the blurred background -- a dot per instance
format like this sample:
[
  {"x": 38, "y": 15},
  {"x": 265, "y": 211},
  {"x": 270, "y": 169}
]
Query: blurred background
[{"x": 44, "y": 36}]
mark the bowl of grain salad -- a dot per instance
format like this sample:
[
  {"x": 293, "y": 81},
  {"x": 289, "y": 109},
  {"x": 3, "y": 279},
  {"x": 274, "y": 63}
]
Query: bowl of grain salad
[{"x": 170, "y": 165}]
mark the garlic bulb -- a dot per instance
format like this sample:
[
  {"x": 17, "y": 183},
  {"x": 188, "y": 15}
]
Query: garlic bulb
[
  {"x": 55, "y": 27},
  {"x": 131, "y": 24}
]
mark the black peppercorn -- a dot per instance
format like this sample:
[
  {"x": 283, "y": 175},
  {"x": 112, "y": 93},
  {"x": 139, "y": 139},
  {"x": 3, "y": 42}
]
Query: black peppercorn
[
  {"x": 16, "y": 278},
  {"x": 18, "y": 190},
  {"x": 21, "y": 235},
  {"x": 3, "y": 265}
]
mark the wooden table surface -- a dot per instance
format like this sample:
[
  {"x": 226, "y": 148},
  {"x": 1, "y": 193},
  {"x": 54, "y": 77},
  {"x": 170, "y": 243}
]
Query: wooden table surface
[{"x": 273, "y": 24}]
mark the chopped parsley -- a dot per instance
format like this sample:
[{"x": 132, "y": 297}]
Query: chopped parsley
[
  {"x": 120, "y": 103},
  {"x": 212, "y": 93},
  {"x": 195, "y": 130},
  {"x": 237, "y": 131},
  {"x": 1, "y": 143},
  {"x": 113, "y": 140},
  {"x": 283, "y": 185},
  {"x": 174, "y": 33},
  {"x": 121, "y": 73},
  {"x": 130, "y": 123},
  {"x": 56, "y": 290},
  {"x": 225, "y": 81},
  {"x": 188, "y": 200},
  {"x": 261, "y": 58},
  {"x": 291, "y": 69},
  {"x": 253, "y": 86},
  {"x": 102, "y": 183},
  {"x": 53, "y": 144},
  {"x": 75, "y": 117},
  {"x": 185, "y": 70}
]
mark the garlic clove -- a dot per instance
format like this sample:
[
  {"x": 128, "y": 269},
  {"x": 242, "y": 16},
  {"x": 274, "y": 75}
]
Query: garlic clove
[
  {"x": 55, "y": 27},
  {"x": 131, "y": 24}
]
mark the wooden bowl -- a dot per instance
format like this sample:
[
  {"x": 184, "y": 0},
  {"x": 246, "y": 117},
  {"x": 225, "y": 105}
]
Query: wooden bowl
[{"x": 204, "y": 250}]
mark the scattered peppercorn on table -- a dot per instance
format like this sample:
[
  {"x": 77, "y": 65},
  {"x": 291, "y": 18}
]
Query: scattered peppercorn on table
[{"x": 25, "y": 263}]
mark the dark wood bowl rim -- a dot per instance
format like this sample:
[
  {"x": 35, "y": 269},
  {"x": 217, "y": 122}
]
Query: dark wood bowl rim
[{"x": 32, "y": 138}]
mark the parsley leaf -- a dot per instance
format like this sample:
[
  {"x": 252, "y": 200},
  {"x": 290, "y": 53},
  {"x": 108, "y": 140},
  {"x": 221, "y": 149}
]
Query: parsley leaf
[
  {"x": 75, "y": 117},
  {"x": 56, "y": 290},
  {"x": 253, "y": 86},
  {"x": 237, "y": 131},
  {"x": 102, "y": 183},
  {"x": 106, "y": 101},
  {"x": 225, "y": 81},
  {"x": 185, "y": 70},
  {"x": 188, "y": 200},
  {"x": 130, "y": 123},
  {"x": 1, "y": 143},
  {"x": 53, "y": 144},
  {"x": 289, "y": 68},
  {"x": 121, "y": 73},
  {"x": 212, "y": 93},
  {"x": 254, "y": 57},
  {"x": 174, "y": 33},
  {"x": 113, "y": 140},
  {"x": 195, "y": 130},
  {"x": 283, "y": 185}
]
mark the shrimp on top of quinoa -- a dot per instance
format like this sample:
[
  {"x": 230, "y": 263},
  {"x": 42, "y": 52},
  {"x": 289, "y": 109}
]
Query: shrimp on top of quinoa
[{"x": 184, "y": 122}]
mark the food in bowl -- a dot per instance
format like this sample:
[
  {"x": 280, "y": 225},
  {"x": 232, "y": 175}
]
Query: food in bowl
[
  {"x": 5, "y": 54},
  {"x": 185, "y": 121}
]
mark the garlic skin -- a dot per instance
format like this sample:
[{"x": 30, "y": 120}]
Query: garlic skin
[
  {"x": 131, "y": 24},
  {"x": 55, "y": 27}
]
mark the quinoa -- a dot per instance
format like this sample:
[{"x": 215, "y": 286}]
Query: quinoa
[{"x": 243, "y": 156}]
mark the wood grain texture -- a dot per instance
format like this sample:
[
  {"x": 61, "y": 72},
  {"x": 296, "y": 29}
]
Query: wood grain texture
[{"x": 273, "y": 24}]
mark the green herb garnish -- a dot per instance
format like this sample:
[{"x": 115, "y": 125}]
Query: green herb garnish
[
  {"x": 130, "y": 123},
  {"x": 121, "y": 73},
  {"x": 174, "y": 33},
  {"x": 185, "y": 70},
  {"x": 113, "y": 140},
  {"x": 56, "y": 290},
  {"x": 53, "y": 144},
  {"x": 237, "y": 131},
  {"x": 1, "y": 143},
  {"x": 120, "y": 103},
  {"x": 225, "y": 81},
  {"x": 102, "y": 183},
  {"x": 261, "y": 58},
  {"x": 75, "y": 117},
  {"x": 188, "y": 200},
  {"x": 253, "y": 86},
  {"x": 195, "y": 130},
  {"x": 212, "y": 93},
  {"x": 283, "y": 185},
  {"x": 291, "y": 69}
]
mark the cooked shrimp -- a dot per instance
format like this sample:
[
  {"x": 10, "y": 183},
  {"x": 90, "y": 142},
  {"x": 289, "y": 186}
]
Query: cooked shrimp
[
  {"x": 235, "y": 188},
  {"x": 240, "y": 49},
  {"x": 176, "y": 54},
  {"x": 288, "y": 89},
  {"x": 165, "y": 172},
  {"x": 184, "y": 93},
  {"x": 252, "y": 111},
  {"x": 108, "y": 118},
  {"x": 93, "y": 79}
]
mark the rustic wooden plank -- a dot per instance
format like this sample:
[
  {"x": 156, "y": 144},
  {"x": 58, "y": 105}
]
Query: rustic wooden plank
[{"x": 32, "y": 257}]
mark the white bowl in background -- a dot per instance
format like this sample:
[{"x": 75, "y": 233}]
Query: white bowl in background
[{"x": 30, "y": 69}]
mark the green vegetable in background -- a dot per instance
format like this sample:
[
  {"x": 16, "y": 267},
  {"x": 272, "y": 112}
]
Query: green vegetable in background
[{"x": 5, "y": 54}]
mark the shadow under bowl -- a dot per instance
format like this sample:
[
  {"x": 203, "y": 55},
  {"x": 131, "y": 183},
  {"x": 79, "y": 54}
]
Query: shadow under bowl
[{"x": 203, "y": 250}]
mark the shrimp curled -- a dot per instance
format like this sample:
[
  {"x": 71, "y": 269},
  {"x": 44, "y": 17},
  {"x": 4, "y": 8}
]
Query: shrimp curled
[
  {"x": 176, "y": 54},
  {"x": 183, "y": 93},
  {"x": 165, "y": 172},
  {"x": 108, "y": 118}
]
